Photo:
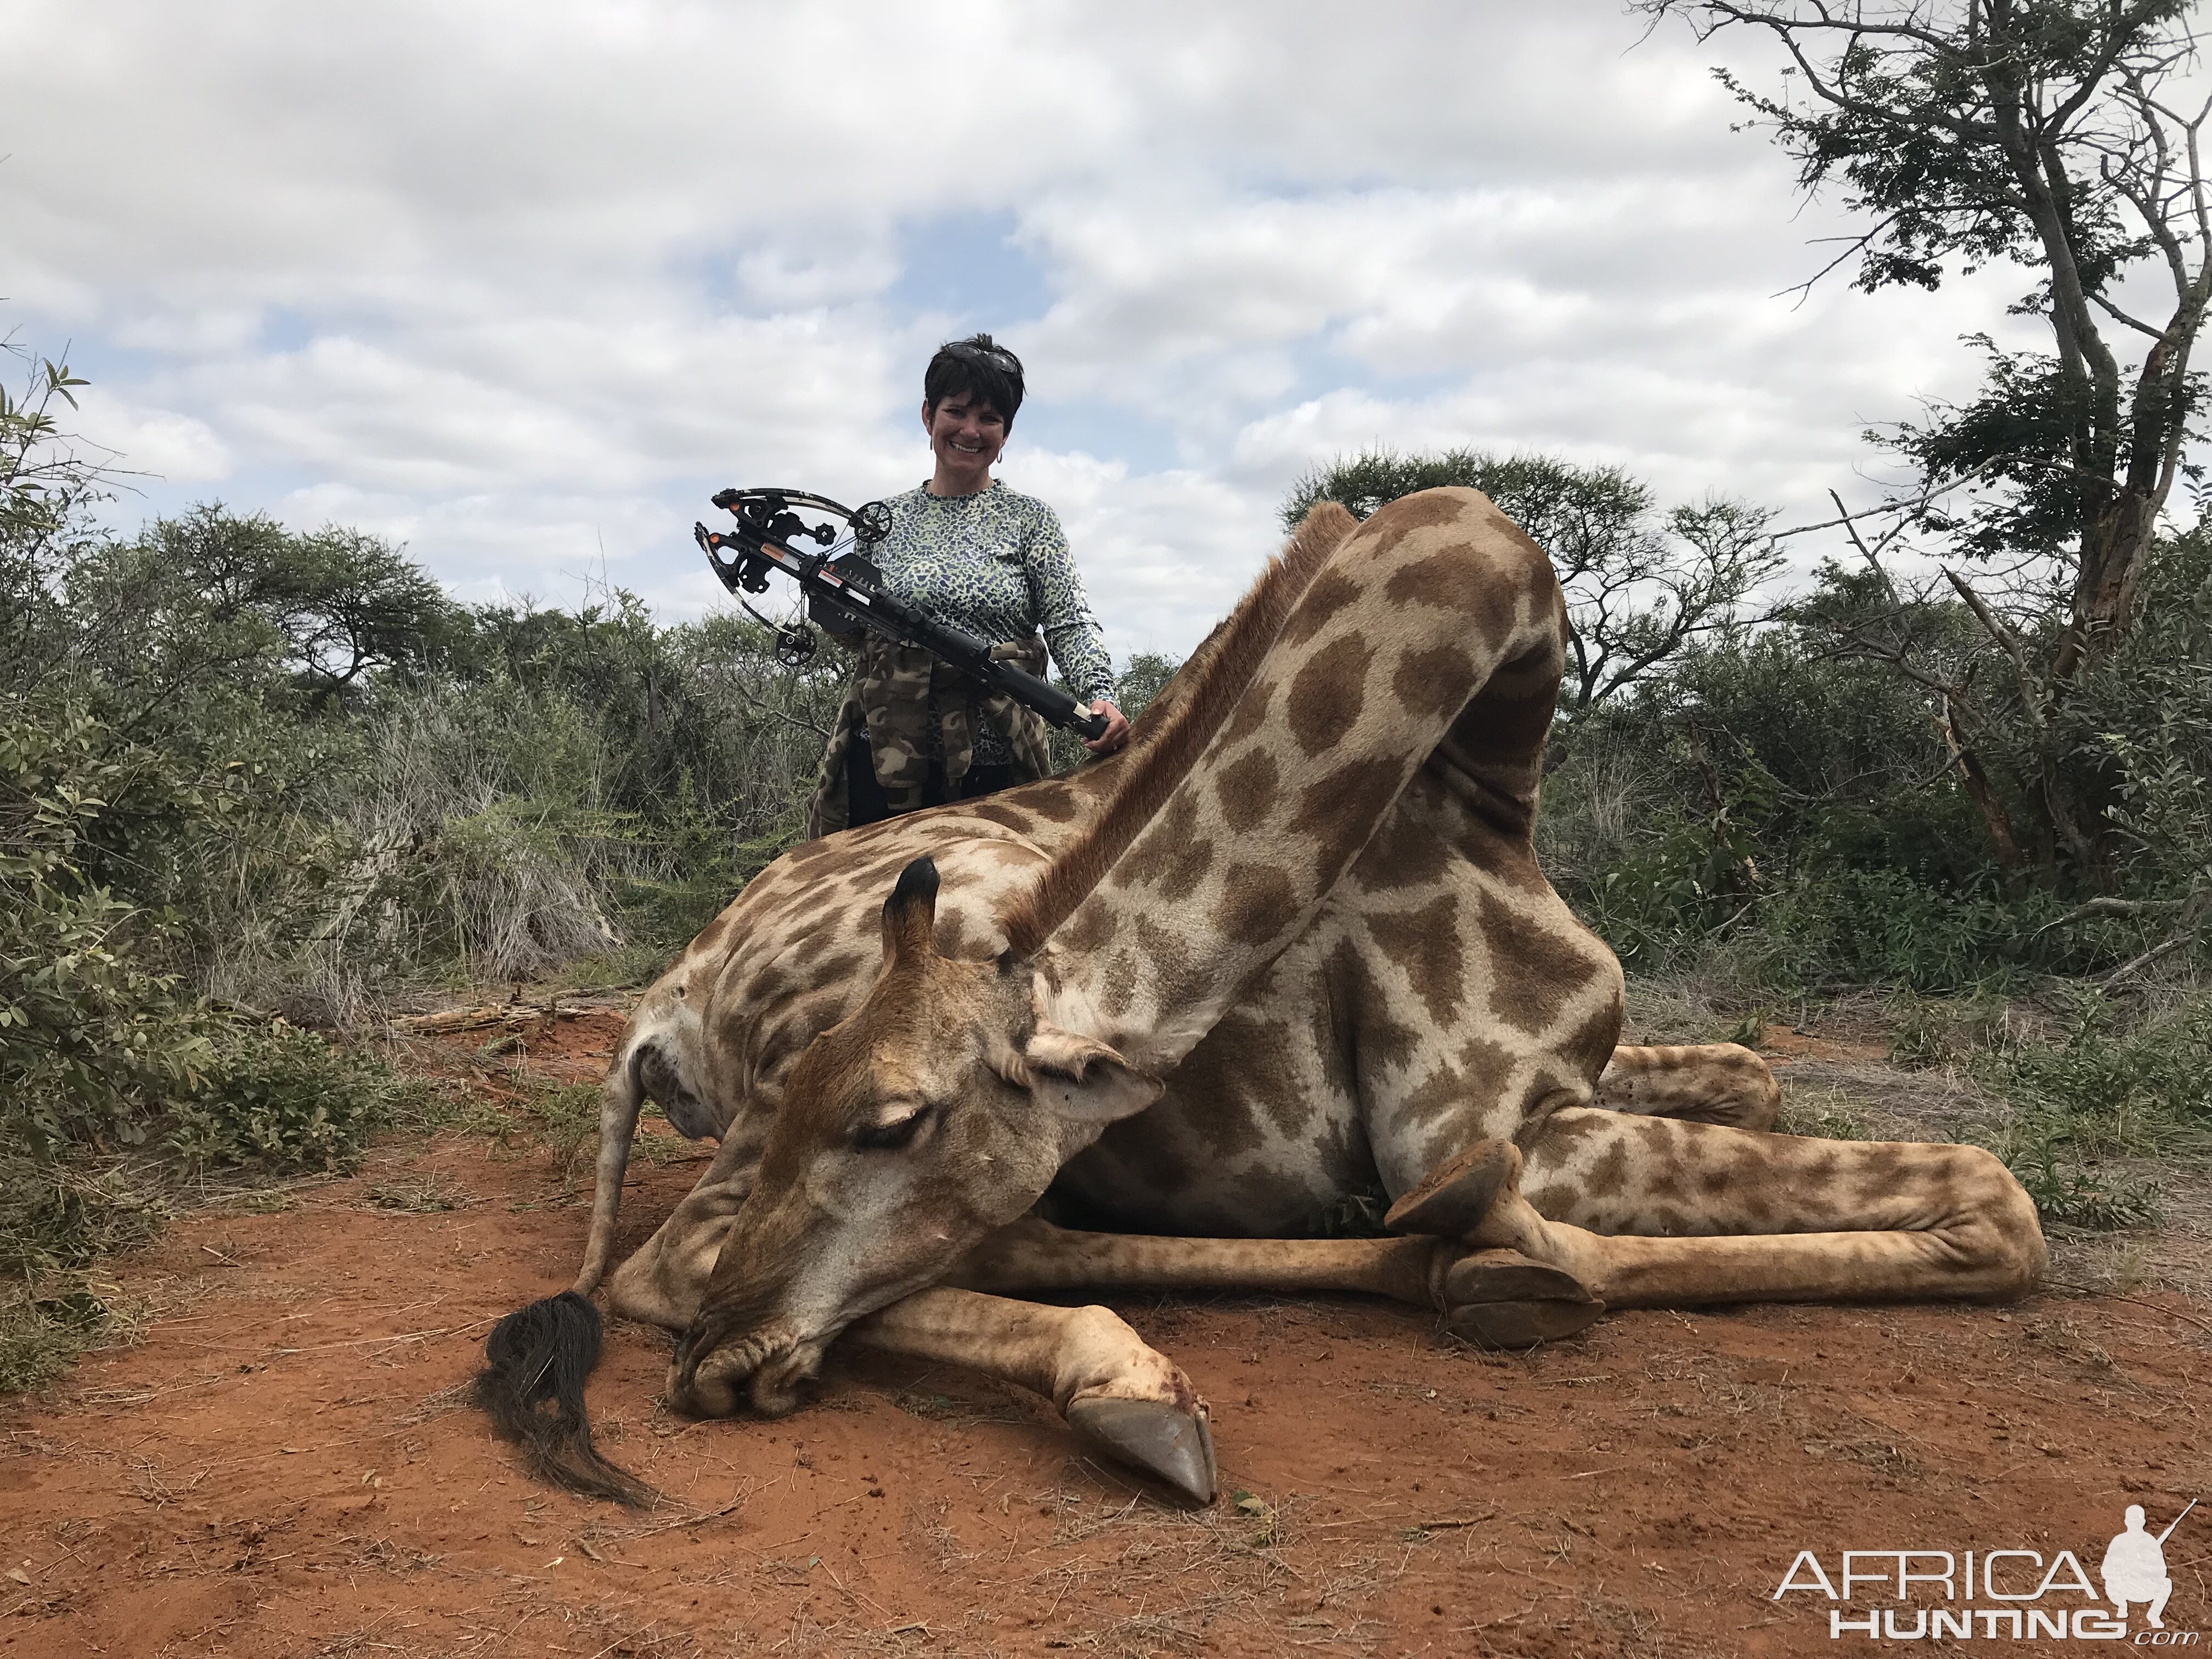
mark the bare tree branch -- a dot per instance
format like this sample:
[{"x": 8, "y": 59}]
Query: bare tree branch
[{"x": 2031, "y": 695}]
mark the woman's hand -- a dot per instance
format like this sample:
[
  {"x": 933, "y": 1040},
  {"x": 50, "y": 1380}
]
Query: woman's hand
[{"x": 1116, "y": 732}]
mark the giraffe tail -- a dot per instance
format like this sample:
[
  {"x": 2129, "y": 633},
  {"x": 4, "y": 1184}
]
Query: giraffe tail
[
  {"x": 537, "y": 1358},
  {"x": 621, "y": 1096},
  {"x": 533, "y": 1386}
]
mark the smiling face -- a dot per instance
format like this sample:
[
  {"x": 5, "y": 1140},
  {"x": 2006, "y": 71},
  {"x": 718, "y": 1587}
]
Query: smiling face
[
  {"x": 939, "y": 1109},
  {"x": 966, "y": 433}
]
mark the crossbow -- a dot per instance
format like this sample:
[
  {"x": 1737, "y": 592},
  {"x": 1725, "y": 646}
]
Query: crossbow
[{"x": 845, "y": 592}]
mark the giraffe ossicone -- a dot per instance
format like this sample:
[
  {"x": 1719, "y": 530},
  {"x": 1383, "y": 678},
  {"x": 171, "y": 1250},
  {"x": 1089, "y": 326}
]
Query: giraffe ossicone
[{"x": 1289, "y": 946}]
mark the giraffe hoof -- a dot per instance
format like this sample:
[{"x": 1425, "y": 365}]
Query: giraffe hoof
[
  {"x": 1503, "y": 1299},
  {"x": 1174, "y": 1445},
  {"x": 1459, "y": 1192}
]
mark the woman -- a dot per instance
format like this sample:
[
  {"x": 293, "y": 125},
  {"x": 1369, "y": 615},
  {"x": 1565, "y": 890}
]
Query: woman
[{"x": 972, "y": 553}]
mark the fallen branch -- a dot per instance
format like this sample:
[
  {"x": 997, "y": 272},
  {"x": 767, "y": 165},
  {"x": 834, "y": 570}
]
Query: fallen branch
[
  {"x": 2144, "y": 960},
  {"x": 2111, "y": 907},
  {"x": 471, "y": 1020}
]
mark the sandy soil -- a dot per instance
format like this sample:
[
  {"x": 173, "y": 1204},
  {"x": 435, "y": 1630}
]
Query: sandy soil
[{"x": 285, "y": 1465}]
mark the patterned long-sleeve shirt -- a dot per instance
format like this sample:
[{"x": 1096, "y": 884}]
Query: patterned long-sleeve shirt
[{"x": 996, "y": 564}]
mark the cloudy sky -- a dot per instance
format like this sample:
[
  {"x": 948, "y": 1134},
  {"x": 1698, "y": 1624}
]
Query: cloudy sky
[{"x": 520, "y": 285}]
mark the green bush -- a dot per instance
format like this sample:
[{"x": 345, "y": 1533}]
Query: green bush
[
  {"x": 2090, "y": 1082},
  {"x": 105, "y": 1044},
  {"x": 1694, "y": 892},
  {"x": 43, "y": 1330},
  {"x": 281, "y": 1099},
  {"x": 2156, "y": 1069},
  {"x": 2071, "y": 1192},
  {"x": 54, "y": 1219},
  {"x": 91, "y": 1037},
  {"x": 1798, "y": 817},
  {"x": 2144, "y": 719}
]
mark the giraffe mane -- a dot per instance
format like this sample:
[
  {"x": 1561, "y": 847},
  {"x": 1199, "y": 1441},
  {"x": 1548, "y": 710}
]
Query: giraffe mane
[{"x": 1168, "y": 740}]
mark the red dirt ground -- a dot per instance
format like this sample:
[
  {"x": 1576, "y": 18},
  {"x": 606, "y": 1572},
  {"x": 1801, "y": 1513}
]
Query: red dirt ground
[{"x": 284, "y": 1465}]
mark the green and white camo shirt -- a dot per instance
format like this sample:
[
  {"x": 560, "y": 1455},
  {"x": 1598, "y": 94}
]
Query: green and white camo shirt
[{"x": 996, "y": 564}]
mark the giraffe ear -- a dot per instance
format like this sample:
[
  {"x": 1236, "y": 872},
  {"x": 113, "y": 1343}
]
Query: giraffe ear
[
  {"x": 1082, "y": 1080},
  {"x": 910, "y": 914}
]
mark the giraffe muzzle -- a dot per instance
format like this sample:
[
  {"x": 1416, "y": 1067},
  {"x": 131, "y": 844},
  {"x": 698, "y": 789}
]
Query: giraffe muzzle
[{"x": 764, "y": 1373}]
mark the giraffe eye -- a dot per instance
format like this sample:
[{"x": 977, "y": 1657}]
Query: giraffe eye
[{"x": 891, "y": 1137}]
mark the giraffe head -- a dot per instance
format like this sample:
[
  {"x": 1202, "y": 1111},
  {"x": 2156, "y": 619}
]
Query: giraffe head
[{"x": 940, "y": 1109}]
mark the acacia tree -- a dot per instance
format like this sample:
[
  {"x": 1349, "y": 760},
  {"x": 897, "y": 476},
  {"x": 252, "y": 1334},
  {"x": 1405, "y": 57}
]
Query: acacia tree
[
  {"x": 1640, "y": 585},
  {"x": 2041, "y": 133},
  {"x": 225, "y": 594}
]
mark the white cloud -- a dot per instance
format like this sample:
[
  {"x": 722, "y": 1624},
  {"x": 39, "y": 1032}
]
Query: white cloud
[
  {"x": 158, "y": 441},
  {"x": 1164, "y": 554},
  {"x": 521, "y": 284}
]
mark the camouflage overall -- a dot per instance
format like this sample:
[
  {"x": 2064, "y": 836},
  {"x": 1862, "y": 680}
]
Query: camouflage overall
[{"x": 900, "y": 694}]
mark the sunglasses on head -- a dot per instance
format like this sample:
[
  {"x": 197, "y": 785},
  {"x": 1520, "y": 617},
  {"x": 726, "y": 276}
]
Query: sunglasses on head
[{"x": 1005, "y": 361}]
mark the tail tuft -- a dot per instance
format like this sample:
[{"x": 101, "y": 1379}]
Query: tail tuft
[{"x": 532, "y": 1385}]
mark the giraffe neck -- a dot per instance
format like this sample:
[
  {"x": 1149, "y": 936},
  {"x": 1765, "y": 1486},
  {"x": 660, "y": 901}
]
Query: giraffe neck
[
  {"x": 1202, "y": 694},
  {"x": 1436, "y": 618}
]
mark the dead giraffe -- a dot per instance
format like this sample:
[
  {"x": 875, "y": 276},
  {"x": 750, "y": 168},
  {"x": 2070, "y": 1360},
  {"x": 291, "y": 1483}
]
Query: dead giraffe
[{"x": 1300, "y": 928}]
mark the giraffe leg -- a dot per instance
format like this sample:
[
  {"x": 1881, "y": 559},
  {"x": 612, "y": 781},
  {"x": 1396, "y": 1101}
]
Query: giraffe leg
[
  {"x": 1709, "y": 1083},
  {"x": 1657, "y": 1212},
  {"x": 1458, "y": 1192},
  {"x": 1035, "y": 1256},
  {"x": 662, "y": 1282},
  {"x": 1115, "y": 1391},
  {"x": 1498, "y": 1298}
]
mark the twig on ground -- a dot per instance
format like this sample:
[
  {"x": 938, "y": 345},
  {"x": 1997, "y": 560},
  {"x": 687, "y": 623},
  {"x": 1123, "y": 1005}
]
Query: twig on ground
[
  {"x": 1446, "y": 1524},
  {"x": 2114, "y": 1296},
  {"x": 691, "y": 1520}
]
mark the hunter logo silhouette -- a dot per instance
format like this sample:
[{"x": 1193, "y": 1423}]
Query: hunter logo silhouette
[{"x": 2134, "y": 1568}]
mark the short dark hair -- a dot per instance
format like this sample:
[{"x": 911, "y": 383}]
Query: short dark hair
[{"x": 979, "y": 367}]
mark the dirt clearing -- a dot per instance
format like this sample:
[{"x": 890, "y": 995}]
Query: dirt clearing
[{"x": 285, "y": 1464}]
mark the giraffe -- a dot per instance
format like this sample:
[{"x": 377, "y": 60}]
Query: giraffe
[{"x": 1293, "y": 943}]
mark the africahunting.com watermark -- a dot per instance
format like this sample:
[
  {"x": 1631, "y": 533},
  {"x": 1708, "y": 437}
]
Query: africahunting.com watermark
[{"x": 2004, "y": 1594}]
